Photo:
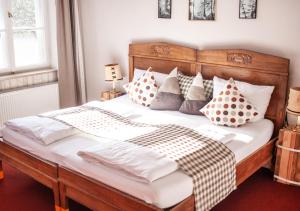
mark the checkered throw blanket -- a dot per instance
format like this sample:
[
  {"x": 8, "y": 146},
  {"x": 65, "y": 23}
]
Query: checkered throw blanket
[{"x": 210, "y": 163}]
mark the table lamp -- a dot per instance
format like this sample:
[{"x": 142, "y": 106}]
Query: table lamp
[
  {"x": 293, "y": 107},
  {"x": 113, "y": 74}
]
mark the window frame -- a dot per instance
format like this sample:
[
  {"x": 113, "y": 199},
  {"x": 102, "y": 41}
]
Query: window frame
[{"x": 9, "y": 33}]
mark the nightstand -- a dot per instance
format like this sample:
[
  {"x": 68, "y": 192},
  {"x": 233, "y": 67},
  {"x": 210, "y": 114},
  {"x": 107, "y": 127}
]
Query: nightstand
[
  {"x": 287, "y": 167},
  {"x": 108, "y": 95}
]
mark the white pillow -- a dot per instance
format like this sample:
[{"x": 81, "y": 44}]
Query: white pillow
[
  {"x": 159, "y": 77},
  {"x": 259, "y": 96}
]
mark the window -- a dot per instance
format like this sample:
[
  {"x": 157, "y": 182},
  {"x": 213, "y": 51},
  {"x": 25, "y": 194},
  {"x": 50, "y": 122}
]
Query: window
[{"x": 23, "y": 35}]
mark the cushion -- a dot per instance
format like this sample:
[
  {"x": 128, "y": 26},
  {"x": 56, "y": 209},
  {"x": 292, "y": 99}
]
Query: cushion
[
  {"x": 169, "y": 96},
  {"x": 185, "y": 83},
  {"x": 159, "y": 77},
  {"x": 208, "y": 88},
  {"x": 195, "y": 98},
  {"x": 230, "y": 107},
  {"x": 143, "y": 90},
  {"x": 259, "y": 96}
]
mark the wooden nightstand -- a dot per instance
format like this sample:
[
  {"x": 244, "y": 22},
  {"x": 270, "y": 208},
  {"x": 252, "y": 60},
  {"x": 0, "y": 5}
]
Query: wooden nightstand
[
  {"x": 287, "y": 167},
  {"x": 108, "y": 95}
]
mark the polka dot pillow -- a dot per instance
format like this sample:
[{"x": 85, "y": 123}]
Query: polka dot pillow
[
  {"x": 230, "y": 107},
  {"x": 143, "y": 90}
]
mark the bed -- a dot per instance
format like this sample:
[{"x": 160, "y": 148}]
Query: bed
[
  {"x": 246, "y": 141},
  {"x": 78, "y": 184},
  {"x": 243, "y": 65}
]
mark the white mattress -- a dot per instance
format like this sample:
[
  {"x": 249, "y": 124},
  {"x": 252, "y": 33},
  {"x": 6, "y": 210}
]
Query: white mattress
[{"x": 164, "y": 192}]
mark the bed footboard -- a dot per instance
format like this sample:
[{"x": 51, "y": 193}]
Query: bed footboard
[
  {"x": 99, "y": 196},
  {"x": 42, "y": 171}
]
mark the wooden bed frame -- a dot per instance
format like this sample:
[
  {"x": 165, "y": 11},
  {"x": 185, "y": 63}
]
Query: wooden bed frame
[
  {"x": 242, "y": 65},
  {"x": 41, "y": 170}
]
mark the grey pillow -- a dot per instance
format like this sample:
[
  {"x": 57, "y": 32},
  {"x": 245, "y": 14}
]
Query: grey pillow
[
  {"x": 166, "y": 101},
  {"x": 169, "y": 96},
  {"x": 192, "y": 107},
  {"x": 195, "y": 97}
]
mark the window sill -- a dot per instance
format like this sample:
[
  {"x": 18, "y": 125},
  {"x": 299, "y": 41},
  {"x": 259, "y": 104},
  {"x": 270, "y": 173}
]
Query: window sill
[
  {"x": 26, "y": 73},
  {"x": 27, "y": 79}
]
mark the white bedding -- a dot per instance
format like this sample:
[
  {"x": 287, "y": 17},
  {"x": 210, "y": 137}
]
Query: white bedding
[
  {"x": 140, "y": 163},
  {"x": 166, "y": 191},
  {"x": 39, "y": 129}
]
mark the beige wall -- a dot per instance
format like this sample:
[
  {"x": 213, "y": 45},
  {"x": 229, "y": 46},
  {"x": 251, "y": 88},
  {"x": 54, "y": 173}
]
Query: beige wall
[{"x": 110, "y": 25}]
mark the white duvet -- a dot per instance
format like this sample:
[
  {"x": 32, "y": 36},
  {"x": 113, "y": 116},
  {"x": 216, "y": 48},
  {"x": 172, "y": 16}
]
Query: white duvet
[
  {"x": 140, "y": 163},
  {"x": 40, "y": 129}
]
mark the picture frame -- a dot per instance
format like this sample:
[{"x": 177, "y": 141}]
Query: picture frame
[
  {"x": 164, "y": 9},
  {"x": 248, "y": 9},
  {"x": 202, "y": 10}
]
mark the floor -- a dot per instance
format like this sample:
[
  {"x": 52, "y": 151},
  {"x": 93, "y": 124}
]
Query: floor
[{"x": 20, "y": 193}]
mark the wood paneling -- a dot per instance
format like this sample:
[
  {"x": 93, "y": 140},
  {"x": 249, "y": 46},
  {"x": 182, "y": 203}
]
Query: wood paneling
[
  {"x": 160, "y": 50},
  {"x": 245, "y": 59},
  {"x": 162, "y": 57},
  {"x": 163, "y": 66}
]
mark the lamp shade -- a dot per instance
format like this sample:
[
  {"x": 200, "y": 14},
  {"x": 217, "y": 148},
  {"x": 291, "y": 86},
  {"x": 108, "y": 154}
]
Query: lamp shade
[
  {"x": 294, "y": 101},
  {"x": 113, "y": 72}
]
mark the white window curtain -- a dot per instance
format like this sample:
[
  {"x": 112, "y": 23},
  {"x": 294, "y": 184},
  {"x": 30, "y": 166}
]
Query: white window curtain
[{"x": 72, "y": 86}]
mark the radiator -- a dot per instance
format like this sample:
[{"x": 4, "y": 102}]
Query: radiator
[{"x": 26, "y": 102}]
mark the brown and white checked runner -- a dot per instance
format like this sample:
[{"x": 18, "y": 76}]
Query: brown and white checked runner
[{"x": 210, "y": 163}]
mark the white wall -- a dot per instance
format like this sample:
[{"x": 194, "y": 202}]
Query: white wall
[
  {"x": 52, "y": 34},
  {"x": 110, "y": 25}
]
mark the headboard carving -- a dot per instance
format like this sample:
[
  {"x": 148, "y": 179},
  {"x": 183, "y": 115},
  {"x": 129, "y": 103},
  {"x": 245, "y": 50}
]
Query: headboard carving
[
  {"x": 239, "y": 58},
  {"x": 161, "y": 50},
  {"x": 244, "y": 65}
]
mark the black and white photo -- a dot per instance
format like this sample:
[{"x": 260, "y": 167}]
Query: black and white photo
[
  {"x": 164, "y": 8},
  {"x": 248, "y": 9},
  {"x": 202, "y": 10}
]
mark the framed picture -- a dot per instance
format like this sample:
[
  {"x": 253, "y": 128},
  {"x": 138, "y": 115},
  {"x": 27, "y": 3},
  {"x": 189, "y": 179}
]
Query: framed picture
[
  {"x": 201, "y": 9},
  {"x": 164, "y": 8},
  {"x": 248, "y": 9}
]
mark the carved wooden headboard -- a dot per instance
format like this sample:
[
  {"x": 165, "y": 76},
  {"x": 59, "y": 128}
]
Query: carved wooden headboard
[{"x": 244, "y": 65}]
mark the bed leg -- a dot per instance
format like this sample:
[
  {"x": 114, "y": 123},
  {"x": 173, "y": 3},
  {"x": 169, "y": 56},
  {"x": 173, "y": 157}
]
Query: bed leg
[
  {"x": 1, "y": 171},
  {"x": 55, "y": 188},
  {"x": 64, "y": 203}
]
